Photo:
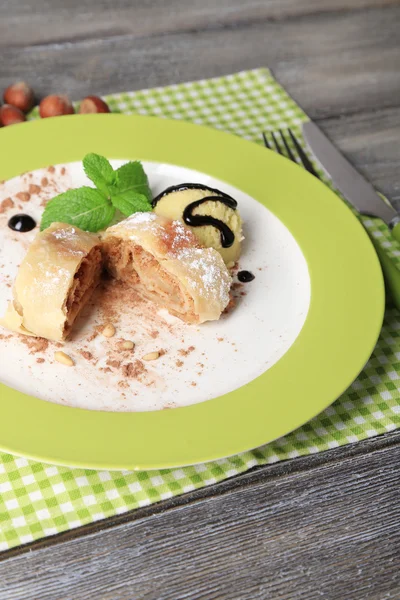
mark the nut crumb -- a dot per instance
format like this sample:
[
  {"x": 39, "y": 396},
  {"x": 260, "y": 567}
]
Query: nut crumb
[
  {"x": 183, "y": 352},
  {"x": 44, "y": 181},
  {"x": 179, "y": 363},
  {"x": 86, "y": 354},
  {"x": 193, "y": 384},
  {"x": 23, "y": 196},
  {"x": 40, "y": 360},
  {"x": 134, "y": 369},
  {"x": 7, "y": 203},
  {"x": 51, "y": 169},
  {"x": 115, "y": 364},
  {"x": 154, "y": 334},
  {"x": 34, "y": 189},
  {"x": 63, "y": 171}
]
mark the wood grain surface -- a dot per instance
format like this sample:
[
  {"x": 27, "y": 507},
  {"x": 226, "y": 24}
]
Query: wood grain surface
[{"x": 325, "y": 526}]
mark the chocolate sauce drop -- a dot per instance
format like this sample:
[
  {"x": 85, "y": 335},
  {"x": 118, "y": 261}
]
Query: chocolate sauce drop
[
  {"x": 22, "y": 223},
  {"x": 245, "y": 276}
]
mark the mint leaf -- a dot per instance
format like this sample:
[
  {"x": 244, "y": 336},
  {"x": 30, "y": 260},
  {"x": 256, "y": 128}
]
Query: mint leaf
[
  {"x": 132, "y": 178},
  {"x": 99, "y": 170},
  {"x": 130, "y": 202},
  {"x": 84, "y": 207}
]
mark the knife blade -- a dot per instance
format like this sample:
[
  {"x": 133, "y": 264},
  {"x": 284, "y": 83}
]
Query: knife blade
[
  {"x": 357, "y": 190},
  {"x": 360, "y": 194}
]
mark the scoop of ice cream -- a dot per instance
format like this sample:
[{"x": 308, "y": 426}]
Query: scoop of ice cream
[{"x": 211, "y": 215}]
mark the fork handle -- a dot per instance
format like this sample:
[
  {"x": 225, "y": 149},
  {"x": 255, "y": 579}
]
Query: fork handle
[{"x": 389, "y": 268}]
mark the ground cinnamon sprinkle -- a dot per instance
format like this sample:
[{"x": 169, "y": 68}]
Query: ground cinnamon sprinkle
[
  {"x": 179, "y": 363},
  {"x": 34, "y": 189},
  {"x": 230, "y": 307},
  {"x": 154, "y": 334},
  {"x": 183, "y": 352},
  {"x": 86, "y": 354},
  {"x": 35, "y": 345},
  {"x": 123, "y": 384},
  {"x": 134, "y": 369},
  {"x": 94, "y": 335},
  {"x": 23, "y": 196},
  {"x": 193, "y": 384},
  {"x": 115, "y": 364},
  {"x": 7, "y": 203},
  {"x": 40, "y": 360}
]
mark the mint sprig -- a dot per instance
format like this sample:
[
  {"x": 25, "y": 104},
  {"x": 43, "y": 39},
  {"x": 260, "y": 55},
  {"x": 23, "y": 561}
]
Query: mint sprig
[{"x": 125, "y": 189}]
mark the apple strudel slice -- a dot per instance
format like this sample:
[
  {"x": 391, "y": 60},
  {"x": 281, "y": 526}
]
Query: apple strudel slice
[
  {"x": 55, "y": 280},
  {"x": 163, "y": 260}
]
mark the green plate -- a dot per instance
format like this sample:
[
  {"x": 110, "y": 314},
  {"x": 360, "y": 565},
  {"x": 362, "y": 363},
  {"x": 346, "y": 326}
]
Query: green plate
[{"x": 341, "y": 329}]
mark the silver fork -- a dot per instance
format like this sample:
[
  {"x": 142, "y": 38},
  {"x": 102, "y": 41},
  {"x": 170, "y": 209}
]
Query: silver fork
[{"x": 305, "y": 161}]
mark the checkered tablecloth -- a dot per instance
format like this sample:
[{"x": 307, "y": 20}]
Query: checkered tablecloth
[{"x": 38, "y": 500}]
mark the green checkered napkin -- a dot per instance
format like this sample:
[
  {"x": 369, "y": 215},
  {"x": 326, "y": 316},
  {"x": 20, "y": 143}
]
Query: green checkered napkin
[{"x": 38, "y": 500}]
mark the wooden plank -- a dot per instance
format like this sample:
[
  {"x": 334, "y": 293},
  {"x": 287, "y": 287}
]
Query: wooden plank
[
  {"x": 332, "y": 63},
  {"x": 330, "y": 532},
  {"x": 371, "y": 142},
  {"x": 88, "y": 19}
]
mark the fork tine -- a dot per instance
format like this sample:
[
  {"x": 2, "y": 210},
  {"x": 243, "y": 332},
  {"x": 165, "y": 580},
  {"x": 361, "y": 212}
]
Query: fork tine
[
  {"x": 266, "y": 143},
  {"x": 288, "y": 150},
  {"x": 303, "y": 156},
  {"x": 277, "y": 146}
]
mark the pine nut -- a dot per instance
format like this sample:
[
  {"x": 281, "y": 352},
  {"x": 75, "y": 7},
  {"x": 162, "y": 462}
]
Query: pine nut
[
  {"x": 151, "y": 356},
  {"x": 127, "y": 345},
  {"x": 109, "y": 330},
  {"x": 63, "y": 358}
]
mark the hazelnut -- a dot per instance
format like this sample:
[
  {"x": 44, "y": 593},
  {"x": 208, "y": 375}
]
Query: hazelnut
[
  {"x": 9, "y": 115},
  {"x": 55, "y": 106},
  {"x": 93, "y": 104},
  {"x": 20, "y": 95}
]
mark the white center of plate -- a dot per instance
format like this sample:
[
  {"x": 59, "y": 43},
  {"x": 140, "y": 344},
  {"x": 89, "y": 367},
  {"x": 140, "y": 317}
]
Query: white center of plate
[{"x": 200, "y": 362}]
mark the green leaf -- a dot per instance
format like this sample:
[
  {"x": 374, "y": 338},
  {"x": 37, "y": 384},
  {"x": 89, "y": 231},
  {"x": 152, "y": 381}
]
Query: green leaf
[
  {"x": 99, "y": 170},
  {"x": 130, "y": 202},
  {"x": 132, "y": 178},
  {"x": 84, "y": 207}
]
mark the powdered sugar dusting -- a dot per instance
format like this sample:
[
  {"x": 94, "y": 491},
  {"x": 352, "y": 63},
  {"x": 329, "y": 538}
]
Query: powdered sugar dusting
[
  {"x": 204, "y": 269},
  {"x": 208, "y": 272}
]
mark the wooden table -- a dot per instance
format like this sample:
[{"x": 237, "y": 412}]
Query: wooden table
[{"x": 325, "y": 526}]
